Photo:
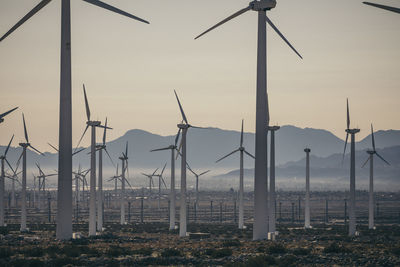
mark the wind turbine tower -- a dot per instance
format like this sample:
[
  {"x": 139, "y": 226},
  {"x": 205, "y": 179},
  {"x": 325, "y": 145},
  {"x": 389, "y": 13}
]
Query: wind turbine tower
[
  {"x": 272, "y": 194},
  {"x": 307, "y": 199}
]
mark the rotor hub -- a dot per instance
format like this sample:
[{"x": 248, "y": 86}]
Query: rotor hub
[
  {"x": 352, "y": 131},
  {"x": 307, "y": 150},
  {"x": 183, "y": 126},
  {"x": 24, "y": 144}
]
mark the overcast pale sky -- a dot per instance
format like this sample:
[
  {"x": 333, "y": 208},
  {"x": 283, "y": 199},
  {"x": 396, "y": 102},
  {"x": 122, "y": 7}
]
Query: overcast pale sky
[{"x": 130, "y": 69}]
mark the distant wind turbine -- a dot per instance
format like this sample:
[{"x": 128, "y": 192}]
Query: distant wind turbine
[
  {"x": 371, "y": 153},
  {"x": 242, "y": 150},
  {"x": 197, "y": 184},
  {"x": 352, "y": 210},
  {"x": 92, "y": 181},
  {"x": 307, "y": 199},
  {"x": 4, "y": 160},
  {"x": 5, "y": 114},
  {"x": 272, "y": 194},
  {"x": 172, "y": 195},
  {"x": 183, "y": 211},
  {"x": 23, "y": 155},
  {"x": 160, "y": 180},
  {"x": 151, "y": 182},
  {"x": 42, "y": 183},
  {"x": 260, "y": 225},
  {"x": 389, "y": 8},
  {"x": 125, "y": 168},
  {"x": 64, "y": 201}
]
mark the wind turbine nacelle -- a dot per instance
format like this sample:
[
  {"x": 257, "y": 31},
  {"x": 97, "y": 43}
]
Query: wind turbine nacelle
[
  {"x": 1, "y": 120},
  {"x": 263, "y": 5}
]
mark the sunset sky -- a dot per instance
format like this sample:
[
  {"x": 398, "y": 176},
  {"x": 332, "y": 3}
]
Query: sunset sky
[{"x": 130, "y": 69}]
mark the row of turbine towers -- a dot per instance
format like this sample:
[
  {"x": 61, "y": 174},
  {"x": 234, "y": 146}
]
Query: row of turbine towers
[{"x": 64, "y": 201}]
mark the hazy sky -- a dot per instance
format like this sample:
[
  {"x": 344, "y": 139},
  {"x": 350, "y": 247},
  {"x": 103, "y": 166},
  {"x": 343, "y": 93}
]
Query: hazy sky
[{"x": 130, "y": 69}]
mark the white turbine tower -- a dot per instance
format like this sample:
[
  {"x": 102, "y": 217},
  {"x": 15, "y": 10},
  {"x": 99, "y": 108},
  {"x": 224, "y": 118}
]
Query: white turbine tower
[
  {"x": 352, "y": 210},
  {"x": 272, "y": 194},
  {"x": 389, "y": 8},
  {"x": 92, "y": 181},
  {"x": 23, "y": 155},
  {"x": 4, "y": 160},
  {"x": 172, "y": 195},
  {"x": 371, "y": 153},
  {"x": 6, "y": 113},
  {"x": 64, "y": 200},
  {"x": 242, "y": 150},
  {"x": 307, "y": 199},
  {"x": 260, "y": 226},
  {"x": 100, "y": 198},
  {"x": 183, "y": 211},
  {"x": 197, "y": 184}
]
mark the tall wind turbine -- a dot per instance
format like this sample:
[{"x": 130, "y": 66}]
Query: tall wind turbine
[
  {"x": 260, "y": 227},
  {"x": 242, "y": 150},
  {"x": 183, "y": 211},
  {"x": 160, "y": 181},
  {"x": 307, "y": 200},
  {"x": 371, "y": 153},
  {"x": 197, "y": 183},
  {"x": 4, "y": 160},
  {"x": 100, "y": 198},
  {"x": 389, "y": 8},
  {"x": 64, "y": 201},
  {"x": 352, "y": 210},
  {"x": 23, "y": 197},
  {"x": 6, "y": 113},
  {"x": 172, "y": 195},
  {"x": 124, "y": 159},
  {"x": 272, "y": 194},
  {"x": 92, "y": 181}
]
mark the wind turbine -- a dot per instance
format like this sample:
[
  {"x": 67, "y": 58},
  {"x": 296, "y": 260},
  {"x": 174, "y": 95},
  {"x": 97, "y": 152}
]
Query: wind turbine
[
  {"x": 197, "y": 183},
  {"x": 272, "y": 194},
  {"x": 100, "y": 200},
  {"x": 172, "y": 195},
  {"x": 5, "y": 114},
  {"x": 242, "y": 150},
  {"x": 389, "y": 8},
  {"x": 371, "y": 179},
  {"x": 4, "y": 160},
  {"x": 14, "y": 178},
  {"x": 115, "y": 178},
  {"x": 352, "y": 210},
  {"x": 80, "y": 176},
  {"x": 42, "y": 183},
  {"x": 92, "y": 181},
  {"x": 151, "y": 182},
  {"x": 64, "y": 201},
  {"x": 184, "y": 128},
  {"x": 160, "y": 179},
  {"x": 124, "y": 159},
  {"x": 260, "y": 226},
  {"x": 23, "y": 155},
  {"x": 307, "y": 199}
]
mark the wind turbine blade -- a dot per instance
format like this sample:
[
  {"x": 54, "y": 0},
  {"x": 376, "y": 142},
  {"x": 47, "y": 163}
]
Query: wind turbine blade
[
  {"x": 180, "y": 107},
  {"x": 165, "y": 165},
  {"x": 282, "y": 36},
  {"x": 160, "y": 149},
  {"x": 365, "y": 163},
  {"x": 86, "y": 104},
  {"x": 105, "y": 149},
  {"x": 234, "y": 151},
  {"x": 18, "y": 162},
  {"x": 25, "y": 131},
  {"x": 179, "y": 150},
  {"x": 373, "y": 138},
  {"x": 241, "y": 136},
  {"x": 8, "y": 147},
  {"x": 190, "y": 169},
  {"x": 154, "y": 172},
  {"x": 162, "y": 179},
  {"x": 204, "y": 172},
  {"x": 240, "y": 12},
  {"x": 36, "y": 9},
  {"x": 56, "y": 149},
  {"x": 87, "y": 126},
  {"x": 177, "y": 136},
  {"x": 76, "y": 152},
  {"x": 348, "y": 115},
  {"x": 104, "y": 134},
  {"x": 117, "y": 168},
  {"x": 389, "y": 8},
  {"x": 197, "y": 127},
  {"x": 36, "y": 150},
  {"x": 104, "y": 127},
  {"x": 379, "y": 156},
  {"x": 7, "y": 112},
  {"x": 114, "y": 9},
  {"x": 345, "y": 145},
  {"x": 249, "y": 154},
  {"x": 128, "y": 183},
  {"x": 9, "y": 165},
  {"x": 126, "y": 149}
]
